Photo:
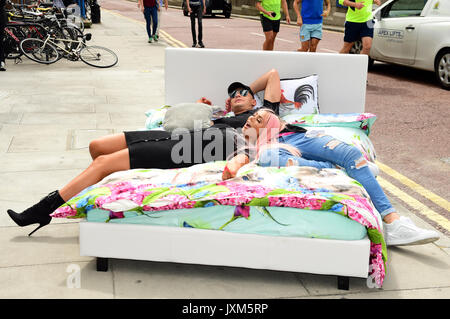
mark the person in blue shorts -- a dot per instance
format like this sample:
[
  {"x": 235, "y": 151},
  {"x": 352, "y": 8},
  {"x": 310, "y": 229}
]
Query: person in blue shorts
[{"x": 310, "y": 21}]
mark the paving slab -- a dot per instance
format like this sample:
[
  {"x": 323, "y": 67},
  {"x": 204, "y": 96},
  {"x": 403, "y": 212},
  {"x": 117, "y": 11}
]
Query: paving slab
[
  {"x": 139, "y": 279},
  {"x": 55, "y": 243},
  {"x": 51, "y": 107},
  {"x": 77, "y": 280}
]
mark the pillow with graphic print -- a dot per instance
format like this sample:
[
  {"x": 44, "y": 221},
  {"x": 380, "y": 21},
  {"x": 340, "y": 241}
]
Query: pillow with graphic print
[{"x": 298, "y": 96}]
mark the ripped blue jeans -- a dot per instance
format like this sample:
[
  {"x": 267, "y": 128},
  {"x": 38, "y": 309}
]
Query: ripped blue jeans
[{"x": 323, "y": 151}]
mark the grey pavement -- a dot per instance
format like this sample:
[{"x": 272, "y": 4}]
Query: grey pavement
[{"x": 48, "y": 115}]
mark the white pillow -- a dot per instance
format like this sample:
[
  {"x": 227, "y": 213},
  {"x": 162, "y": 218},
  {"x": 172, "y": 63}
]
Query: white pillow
[{"x": 304, "y": 91}]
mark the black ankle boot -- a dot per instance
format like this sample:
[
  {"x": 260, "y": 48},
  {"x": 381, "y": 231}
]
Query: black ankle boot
[{"x": 38, "y": 213}]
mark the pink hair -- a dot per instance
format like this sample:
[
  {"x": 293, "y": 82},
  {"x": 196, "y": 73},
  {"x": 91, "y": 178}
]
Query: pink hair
[{"x": 268, "y": 136}]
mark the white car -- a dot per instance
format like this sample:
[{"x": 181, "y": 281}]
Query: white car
[{"x": 414, "y": 33}]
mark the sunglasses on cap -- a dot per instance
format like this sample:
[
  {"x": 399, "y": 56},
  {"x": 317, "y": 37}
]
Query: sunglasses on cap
[{"x": 242, "y": 92}]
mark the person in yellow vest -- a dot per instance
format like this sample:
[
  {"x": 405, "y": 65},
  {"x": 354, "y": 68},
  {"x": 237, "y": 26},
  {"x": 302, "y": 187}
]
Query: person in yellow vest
[
  {"x": 270, "y": 16},
  {"x": 358, "y": 24}
]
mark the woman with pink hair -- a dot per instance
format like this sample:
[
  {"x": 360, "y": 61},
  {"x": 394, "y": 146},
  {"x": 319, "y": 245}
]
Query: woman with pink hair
[{"x": 261, "y": 132}]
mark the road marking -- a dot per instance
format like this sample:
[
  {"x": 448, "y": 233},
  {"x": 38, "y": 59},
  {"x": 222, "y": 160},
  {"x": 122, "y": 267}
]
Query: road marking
[
  {"x": 167, "y": 37},
  {"x": 414, "y": 186},
  {"x": 180, "y": 44},
  {"x": 414, "y": 203},
  {"x": 262, "y": 35}
]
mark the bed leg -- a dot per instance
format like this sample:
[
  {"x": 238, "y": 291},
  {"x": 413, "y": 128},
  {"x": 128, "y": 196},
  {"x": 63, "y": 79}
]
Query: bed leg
[
  {"x": 102, "y": 264},
  {"x": 343, "y": 282}
]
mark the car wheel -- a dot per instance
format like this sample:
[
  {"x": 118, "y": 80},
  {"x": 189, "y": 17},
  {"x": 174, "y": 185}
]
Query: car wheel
[
  {"x": 371, "y": 62},
  {"x": 227, "y": 15},
  {"x": 356, "y": 48},
  {"x": 442, "y": 69}
]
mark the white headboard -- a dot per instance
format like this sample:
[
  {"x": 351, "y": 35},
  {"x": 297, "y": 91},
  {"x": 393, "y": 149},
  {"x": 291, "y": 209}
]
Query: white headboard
[{"x": 193, "y": 73}]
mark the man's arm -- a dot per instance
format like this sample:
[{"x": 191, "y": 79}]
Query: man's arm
[
  {"x": 326, "y": 13},
  {"x": 297, "y": 12},
  {"x": 286, "y": 11},
  {"x": 261, "y": 9},
  {"x": 188, "y": 6},
  {"x": 141, "y": 5},
  {"x": 270, "y": 82},
  {"x": 166, "y": 4},
  {"x": 348, "y": 3}
]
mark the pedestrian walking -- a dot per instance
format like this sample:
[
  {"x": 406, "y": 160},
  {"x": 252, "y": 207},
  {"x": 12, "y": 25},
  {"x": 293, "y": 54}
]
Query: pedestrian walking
[
  {"x": 160, "y": 5},
  {"x": 358, "y": 24},
  {"x": 2, "y": 34},
  {"x": 270, "y": 17},
  {"x": 310, "y": 21},
  {"x": 150, "y": 10},
  {"x": 196, "y": 8}
]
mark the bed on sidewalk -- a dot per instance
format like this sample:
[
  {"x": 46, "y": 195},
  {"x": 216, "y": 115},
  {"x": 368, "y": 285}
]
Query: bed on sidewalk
[{"x": 294, "y": 219}]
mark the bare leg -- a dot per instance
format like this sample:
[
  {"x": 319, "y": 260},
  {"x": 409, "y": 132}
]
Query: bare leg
[
  {"x": 101, "y": 167},
  {"x": 107, "y": 145},
  {"x": 314, "y": 43},
  {"x": 367, "y": 45},
  {"x": 305, "y": 46},
  {"x": 270, "y": 39},
  {"x": 346, "y": 47}
]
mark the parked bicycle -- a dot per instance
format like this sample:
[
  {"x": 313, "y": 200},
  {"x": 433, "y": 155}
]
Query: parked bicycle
[{"x": 51, "y": 49}]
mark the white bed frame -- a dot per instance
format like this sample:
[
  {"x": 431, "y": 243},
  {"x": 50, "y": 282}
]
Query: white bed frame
[{"x": 192, "y": 73}]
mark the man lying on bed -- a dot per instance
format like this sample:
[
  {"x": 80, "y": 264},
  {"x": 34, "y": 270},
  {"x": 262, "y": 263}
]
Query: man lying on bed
[{"x": 153, "y": 149}]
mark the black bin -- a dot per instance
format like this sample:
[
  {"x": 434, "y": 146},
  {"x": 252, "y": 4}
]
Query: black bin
[{"x": 95, "y": 12}]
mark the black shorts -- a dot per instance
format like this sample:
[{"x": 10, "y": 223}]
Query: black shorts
[
  {"x": 153, "y": 149},
  {"x": 270, "y": 25},
  {"x": 355, "y": 31}
]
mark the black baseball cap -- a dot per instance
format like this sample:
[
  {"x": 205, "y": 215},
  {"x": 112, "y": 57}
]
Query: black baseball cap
[{"x": 238, "y": 85}]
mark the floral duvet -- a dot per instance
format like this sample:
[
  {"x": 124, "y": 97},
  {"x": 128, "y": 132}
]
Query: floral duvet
[{"x": 154, "y": 190}]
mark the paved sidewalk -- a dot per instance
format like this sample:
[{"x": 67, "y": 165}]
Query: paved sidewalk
[{"x": 48, "y": 115}]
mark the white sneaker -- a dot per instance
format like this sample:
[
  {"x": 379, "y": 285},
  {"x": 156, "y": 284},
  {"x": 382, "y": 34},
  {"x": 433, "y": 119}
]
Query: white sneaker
[
  {"x": 403, "y": 232},
  {"x": 2, "y": 66}
]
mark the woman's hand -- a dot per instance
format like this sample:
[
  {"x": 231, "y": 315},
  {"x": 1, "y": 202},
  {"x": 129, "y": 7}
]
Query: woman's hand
[
  {"x": 227, "y": 174},
  {"x": 233, "y": 166},
  {"x": 204, "y": 100},
  {"x": 228, "y": 105}
]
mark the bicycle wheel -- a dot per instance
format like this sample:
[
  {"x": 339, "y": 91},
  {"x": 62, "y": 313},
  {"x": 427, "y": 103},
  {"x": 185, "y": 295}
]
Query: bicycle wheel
[
  {"x": 39, "y": 51},
  {"x": 98, "y": 57}
]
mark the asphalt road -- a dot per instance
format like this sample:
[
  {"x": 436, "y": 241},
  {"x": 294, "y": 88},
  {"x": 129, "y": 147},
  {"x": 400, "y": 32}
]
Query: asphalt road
[{"x": 412, "y": 131}]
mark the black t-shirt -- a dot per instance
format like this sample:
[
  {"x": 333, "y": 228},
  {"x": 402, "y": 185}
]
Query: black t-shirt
[
  {"x": 293, "y": 129},
  {"x": 238, "y": 121}
]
